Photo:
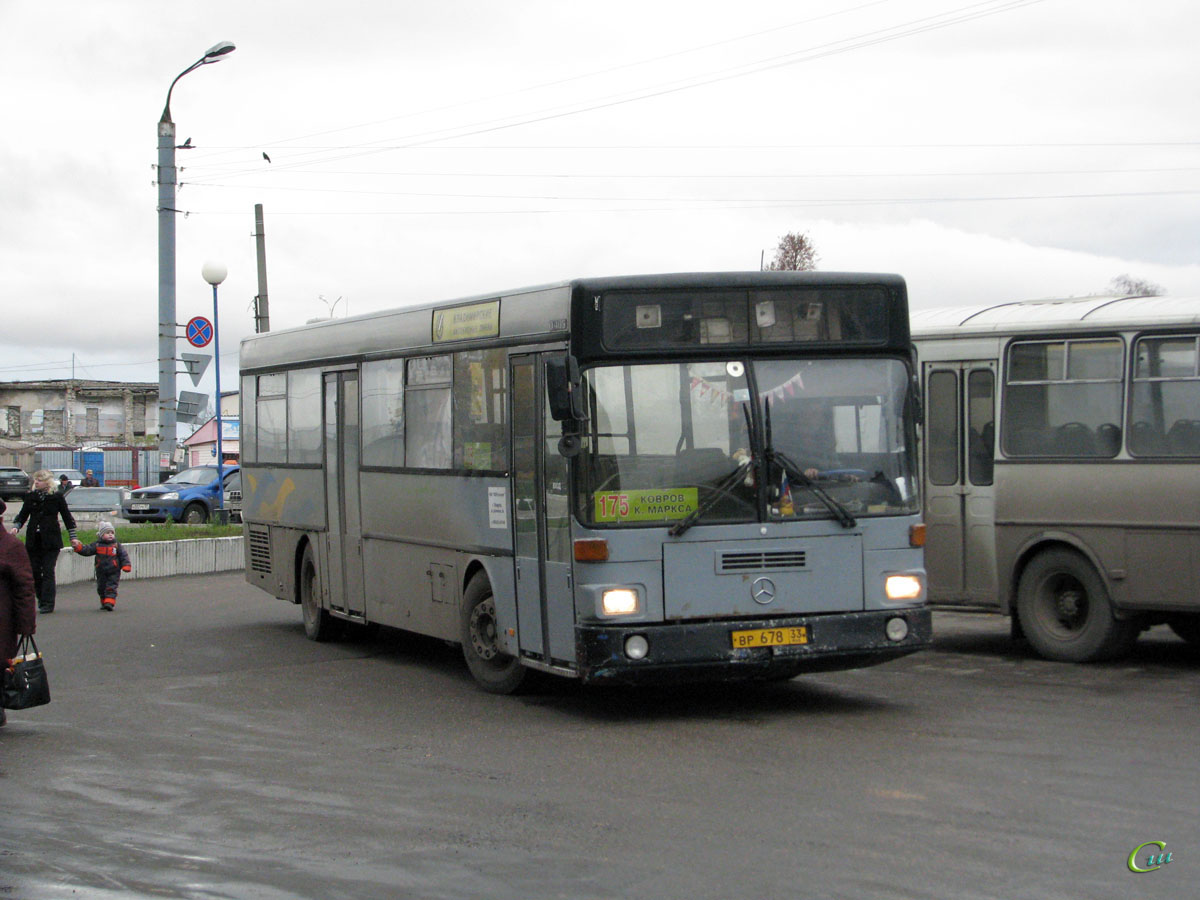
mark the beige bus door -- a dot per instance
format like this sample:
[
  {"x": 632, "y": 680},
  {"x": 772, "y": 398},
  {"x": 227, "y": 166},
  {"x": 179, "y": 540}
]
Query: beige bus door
[
  {"x": 960, "y": 441},
  {"x": 343, "y": 544},
  {"x": 541, "y": 519}
]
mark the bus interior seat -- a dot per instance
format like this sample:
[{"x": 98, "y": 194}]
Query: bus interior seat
[
  {"x": 1075, "y": 439},
  {"x": 1183, "y": 437},
  {"x": 1108, "y": 439},
  {"x": 1145, "y": 439},
  {"x": 1026, "y": 442},
  {"x": 702, "y": 465}
]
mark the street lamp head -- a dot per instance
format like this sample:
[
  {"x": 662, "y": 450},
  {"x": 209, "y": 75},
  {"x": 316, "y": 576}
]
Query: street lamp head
[
  {"x": 216, "y": 51},
  {"x": 214, "y": 273}
]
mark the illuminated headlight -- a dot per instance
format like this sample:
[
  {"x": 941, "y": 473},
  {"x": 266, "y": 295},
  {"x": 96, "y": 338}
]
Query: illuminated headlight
[
  {"x": 636, "y": 646},
  {"x": 897, "y": 629},
  {"x": 169, "y": 495},
  {"x": 902, "y": 587},
  {"x": 619, "y": 602}
]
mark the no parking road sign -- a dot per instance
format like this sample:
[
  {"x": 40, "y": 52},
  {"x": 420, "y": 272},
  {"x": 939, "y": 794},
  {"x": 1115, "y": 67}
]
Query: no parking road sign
[{"x": 199, "y": 331}]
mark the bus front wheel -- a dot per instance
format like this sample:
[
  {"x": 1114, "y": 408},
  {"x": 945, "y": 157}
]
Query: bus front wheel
[
  {"x": 1065, "y": 611},
  {"x": 495, "y": 671},
  {"x": 318, "y": 624}
]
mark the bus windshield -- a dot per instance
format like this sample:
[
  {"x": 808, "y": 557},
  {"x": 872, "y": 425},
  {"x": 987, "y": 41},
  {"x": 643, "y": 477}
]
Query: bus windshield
[{"x": 665, "y": 440}]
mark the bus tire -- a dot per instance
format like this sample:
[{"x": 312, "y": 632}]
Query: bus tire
[
  {"x": 195, "y": 514},
  {"x": 495, "y": 671},
  {"x": 1065, "y": 611},
  {"x": 319, "y": 625}
]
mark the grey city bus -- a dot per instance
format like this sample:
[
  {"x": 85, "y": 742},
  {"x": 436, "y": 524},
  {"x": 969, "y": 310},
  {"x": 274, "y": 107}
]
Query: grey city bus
[
  {"x": 1062, "y": 466},
  {"x": 615, "y": 479}
]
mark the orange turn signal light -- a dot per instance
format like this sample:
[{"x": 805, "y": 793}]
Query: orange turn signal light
[
  {"x": 916, "y": 535},
  {"x": 591, "y": 550}
]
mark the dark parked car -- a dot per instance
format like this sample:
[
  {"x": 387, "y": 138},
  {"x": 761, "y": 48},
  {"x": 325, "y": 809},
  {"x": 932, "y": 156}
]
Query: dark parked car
[
  {"x": 14, "y": 483},
  {"x": 190, "y": 496},
  {"x": 94, "y": 504}
]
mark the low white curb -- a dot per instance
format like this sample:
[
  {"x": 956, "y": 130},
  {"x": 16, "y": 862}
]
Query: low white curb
[{"x": 159, "y": 559}]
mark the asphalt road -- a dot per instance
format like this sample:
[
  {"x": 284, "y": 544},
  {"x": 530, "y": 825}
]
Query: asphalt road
[{"x": 199, "y": 747}]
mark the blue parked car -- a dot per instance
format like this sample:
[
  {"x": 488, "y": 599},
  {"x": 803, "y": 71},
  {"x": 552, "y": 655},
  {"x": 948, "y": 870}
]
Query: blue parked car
[{"x": 189, "y": 497}]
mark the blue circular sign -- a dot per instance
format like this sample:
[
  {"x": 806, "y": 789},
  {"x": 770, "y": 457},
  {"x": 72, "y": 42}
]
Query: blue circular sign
[{"x": 199, "y": 331}]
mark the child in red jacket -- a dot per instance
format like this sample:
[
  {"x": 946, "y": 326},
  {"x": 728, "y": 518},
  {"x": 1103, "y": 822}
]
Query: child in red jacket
[{"x": 111, "y": 560}]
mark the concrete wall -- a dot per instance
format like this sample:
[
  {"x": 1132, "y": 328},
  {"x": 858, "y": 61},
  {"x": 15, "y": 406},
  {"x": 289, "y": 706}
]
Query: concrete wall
[{"x": 159, "y": 559}]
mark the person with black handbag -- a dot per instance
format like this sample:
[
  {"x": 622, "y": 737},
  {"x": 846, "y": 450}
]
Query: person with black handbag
[
  {"x": 42, "y": 509},
  {"x": 17, "y": 617}
]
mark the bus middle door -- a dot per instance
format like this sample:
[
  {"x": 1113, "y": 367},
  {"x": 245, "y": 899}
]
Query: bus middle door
[
  {"x": 343, "y": 540},
  {"x": 541, "y": 519},
  {"x": 960, "y": 553}
]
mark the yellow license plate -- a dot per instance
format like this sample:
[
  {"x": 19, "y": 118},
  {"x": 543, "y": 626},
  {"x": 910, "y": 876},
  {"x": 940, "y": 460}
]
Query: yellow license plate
[{"x": 770, "y": 637}]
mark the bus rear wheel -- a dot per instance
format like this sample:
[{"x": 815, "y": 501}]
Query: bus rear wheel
[
  {"x": 1065, "y": 611},
  {"x": 318, "y": 624},
  {"x": 494, "y": 670}
]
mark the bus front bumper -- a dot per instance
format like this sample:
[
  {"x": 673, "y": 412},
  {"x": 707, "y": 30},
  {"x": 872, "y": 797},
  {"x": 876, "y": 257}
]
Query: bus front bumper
[{"x": 705, "y": 650}]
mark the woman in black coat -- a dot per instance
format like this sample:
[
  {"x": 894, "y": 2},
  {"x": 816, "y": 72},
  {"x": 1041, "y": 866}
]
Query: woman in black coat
[
  {"x": 42, "y": 509},
  {"x": 16, "y": 596}
]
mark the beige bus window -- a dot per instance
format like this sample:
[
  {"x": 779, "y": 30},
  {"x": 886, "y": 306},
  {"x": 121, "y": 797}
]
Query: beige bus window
[
  {"x": 981, "y": 426},
  {"x": 1063, "y": 398},
  {"x": 942, "y": 433},
  {"x": 1165, "y": 407}
]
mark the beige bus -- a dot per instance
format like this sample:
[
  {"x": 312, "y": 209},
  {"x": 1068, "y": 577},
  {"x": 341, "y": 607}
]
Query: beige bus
[{"x": 1061, "y": 466}]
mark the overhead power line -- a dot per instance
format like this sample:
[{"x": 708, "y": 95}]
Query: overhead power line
[{"x": 921, "y": 25}]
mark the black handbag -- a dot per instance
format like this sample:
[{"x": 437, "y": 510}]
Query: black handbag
[{"x": 25, "y": 682}]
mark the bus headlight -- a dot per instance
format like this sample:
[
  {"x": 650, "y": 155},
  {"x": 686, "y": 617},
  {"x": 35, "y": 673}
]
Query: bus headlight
[
  {"x": 902, "y": 587},
  {"x": 620, "y": 602}
]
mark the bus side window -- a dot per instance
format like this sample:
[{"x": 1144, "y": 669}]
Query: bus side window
[{"x": 981, "y": 421}]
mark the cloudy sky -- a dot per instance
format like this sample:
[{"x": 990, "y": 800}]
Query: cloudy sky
[{"x": 987, "y": 151}]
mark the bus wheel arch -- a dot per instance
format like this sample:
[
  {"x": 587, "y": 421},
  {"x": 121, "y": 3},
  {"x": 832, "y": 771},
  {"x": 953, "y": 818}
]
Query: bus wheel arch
[
  {"x": 319, "y": 625},
  {"x": 494, "y": 670},
  {"x": 1065, "y": 608}
]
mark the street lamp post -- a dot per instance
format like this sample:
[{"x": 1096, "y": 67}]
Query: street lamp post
[
  {"x": 214, "y": 273},
  {"x": 167, "y": 181}
]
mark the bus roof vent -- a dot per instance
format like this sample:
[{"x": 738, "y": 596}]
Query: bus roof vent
[{"x": 760, "y": 560}]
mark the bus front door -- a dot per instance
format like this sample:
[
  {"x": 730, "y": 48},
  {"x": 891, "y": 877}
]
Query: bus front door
[
  {"x": 343, "y": 540},
  {"x": 960, "y": 441},
  {"x": 542, "y": 538}
]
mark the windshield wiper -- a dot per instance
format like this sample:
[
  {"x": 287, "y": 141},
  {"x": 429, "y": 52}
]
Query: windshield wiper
[
  {"x": 845, "y": 519},
  {"x": 770, "y": 454},
  {"x": 721, "y": 490}
]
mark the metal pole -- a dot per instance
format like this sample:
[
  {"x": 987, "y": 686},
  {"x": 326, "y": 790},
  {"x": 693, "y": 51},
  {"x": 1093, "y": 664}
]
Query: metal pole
[
  {"x": 166, "y": 290},
  {"x": 262, "y": 312},
  {"x": 167, "y": 181},
  {"x": 220, "y": 453}
]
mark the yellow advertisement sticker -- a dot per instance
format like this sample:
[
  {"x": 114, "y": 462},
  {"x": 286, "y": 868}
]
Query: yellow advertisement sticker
[
  {"x": 645, "y": 506},
  {"x": 462, "y": 322}
]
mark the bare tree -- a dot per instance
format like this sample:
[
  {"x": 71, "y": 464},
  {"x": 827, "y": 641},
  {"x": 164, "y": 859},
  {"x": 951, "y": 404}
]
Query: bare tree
[
  {"x": 1135, "y": 287},
  {"x": 795, "y": 253}
]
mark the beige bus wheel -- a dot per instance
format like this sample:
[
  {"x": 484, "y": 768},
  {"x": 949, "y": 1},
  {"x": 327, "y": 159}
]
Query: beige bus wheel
[
  {"x": 1065, "y": 611},
  {"x": 494, "y": 670},
  {"x": 318, "y": 624}
]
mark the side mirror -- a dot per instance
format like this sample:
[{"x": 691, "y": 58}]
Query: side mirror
[{"x": 563, "y": 389}]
